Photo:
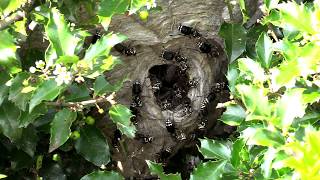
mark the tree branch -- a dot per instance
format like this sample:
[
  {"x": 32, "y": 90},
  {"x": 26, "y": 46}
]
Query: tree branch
[
  {"x": 84, "y": 103},
  {"x": 18, "y": 16}
]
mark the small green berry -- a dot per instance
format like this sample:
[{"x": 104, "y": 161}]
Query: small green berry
[
  {"x": 56, "y": 157},
  {"x": 90, "y": 120},
  {"x": 143, "y": 15},
  {"x": 75, "y": 135}
]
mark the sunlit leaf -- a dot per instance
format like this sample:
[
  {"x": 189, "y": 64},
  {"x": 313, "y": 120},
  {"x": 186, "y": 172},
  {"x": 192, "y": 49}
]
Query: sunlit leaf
[
  {"x": 16, "y": 95},
  {"x": 59, "y": 34},
  {"x": 60, "y": 128},
  {"x": 236, "y": 152},
  {"x": 266, "y": 166},
  {"x": 255, "y": 100},
  {"x": 8, "y": 52},
  {"x": 288, "y": 107},
  {"x": 235, "y": 39},
  {"x": 102, "y": 47},
  {"x": 263, "y": 137},
  {"x": 47, "y": 91},
  {"x": 8, "y": 6},
  {"x": 102, "y": 86},
  {"x": 121, "y": 116},
  {"x": 249, "y": 67},
  {"x": 212, "y": 149},
  {"x": 102, "y": 175},
  {"x": 234, "y": 115}
]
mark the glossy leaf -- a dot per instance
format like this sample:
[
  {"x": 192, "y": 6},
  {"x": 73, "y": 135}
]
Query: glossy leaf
[
  {"x": 157, "y": 169},
  {"x": 77, "y": 93},
  {"x": 234, "y": 115},
  {"x": 232, "y": 76},
  {"x": 8, "y": 52},
  {"x": 212, "y": 149},
  {"x": 59, "y": 34},
  {"x": 47, "y": 91},
  {"x": 212, "y": 170},
  {"x": 67, "y": 59},
  {"x": 15, "y": 95},
  {"x": 266, "y": 166},
  {"x": 8, "y": 6},
  {"x": 102, "y": 47},
  {"x": 235, "y": 39},
  {"x": 26, "y": 118},
  {"x": 271, "y": 3},
  {"x": 264, "y": 50},
  {"x": 102, "y": 175},
  {"x": 92, "y": 146},
  {"x": 102, "y": 86},
  {"x": 121, "y": 116},
  {"x": 4, "y": 89},
  {"x": 249, "y": 67},
  {"x": 288, "y": 107},
  {"x": 9, "y": 126},
  {"x": 255, "y": 100},
  {"x": 108, "y": 8},
  {"x": 263, "y": 137},
  {"x": 60, "y": 128},
  {"x": 136, "y": 5},
  {"x": 236, "y": 152},
  {"x": 28, "y": 140},
  {"x": 292, "y": 13}
]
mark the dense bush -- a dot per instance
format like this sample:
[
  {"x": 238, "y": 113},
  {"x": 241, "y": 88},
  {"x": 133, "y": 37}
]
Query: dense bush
[{"x": 273, "y": 78}]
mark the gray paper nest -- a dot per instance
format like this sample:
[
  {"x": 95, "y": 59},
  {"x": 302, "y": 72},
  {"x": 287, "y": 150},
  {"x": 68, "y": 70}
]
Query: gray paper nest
[{"x": 150, "y": 39}]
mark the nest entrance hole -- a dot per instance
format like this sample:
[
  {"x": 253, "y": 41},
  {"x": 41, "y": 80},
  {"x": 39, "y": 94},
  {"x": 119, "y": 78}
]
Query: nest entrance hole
[{"x": 170, "y": 85}]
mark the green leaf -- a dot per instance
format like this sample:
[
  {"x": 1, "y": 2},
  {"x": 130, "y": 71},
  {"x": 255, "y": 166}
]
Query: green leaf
[
  {"x": 212, "y": 149},
  {"x": 264, "y": 50},
  {"x": 291, "y": 15},
  {"x": 9, "y": 115},
  {"x": 8, "y": 52},
  {"x": 47, "y": 91},
  {"x": 252, "y": 37},
  {"x": 121, "y": 116},
  {"x": 234, "y": 115},
  {"x": 15, "y": 95},
  {"x": 53, "y": 172},
  {"x": 311, "y": 96},
  {"x": 102, "y": 175},
  {"x": 210, "y": 170},
  {"x": 136, "y": 5},
  {"x": 235, "y": 39},
  {"x": 2, "y": 176},
  {"x": 108, "y": 8},
  {"x": 8, "y": 6},
  {"x": 255, "y": 100},
  {"x": 266, "y": 166},
  {"x": 244, "y": 12},
  {"x": 309, "y": 118},
  {"x": 157, "y": 169},
  {"x": 92, "y": 146},
  {"x": 60, "y": 128},
  {"x": 59, "y": 34},
  {"x": 67, "y": 59},
  {"x": 232, "y": 76},
  {"x": 237, "y": 148},
  {"x": 288, "y": 107},
  {"x": 271, "y": 3},
  {"x": 26, "y": 118},
  {"x": 102, "y": 47},
  {"x": 263, "y": 137},
  {"x": 102, "y": 86},
  {"x": 28, "y": 140},
  {"x": 77, "y": 93},
  {"x": 4, "y": 89},
  {"x": 251, "y": 68}
]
